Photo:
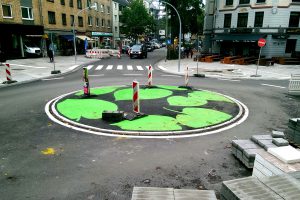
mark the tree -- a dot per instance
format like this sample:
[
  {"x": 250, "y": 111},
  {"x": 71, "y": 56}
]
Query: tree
[{"x": 136, "y": 20}]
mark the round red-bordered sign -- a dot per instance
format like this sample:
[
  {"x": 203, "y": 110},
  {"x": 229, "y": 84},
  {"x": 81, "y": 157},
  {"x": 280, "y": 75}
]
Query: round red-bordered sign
[{"x": 261, "y": 42}]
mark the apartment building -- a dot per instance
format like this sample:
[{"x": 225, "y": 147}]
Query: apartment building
[
  {"x": 232, "y": 27},
  {"x": 19, "y": 24}
]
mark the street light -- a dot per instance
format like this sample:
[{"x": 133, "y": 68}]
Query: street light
[
  {"x": 179, "y": 49},
  {"x": 74, "y": 34}
]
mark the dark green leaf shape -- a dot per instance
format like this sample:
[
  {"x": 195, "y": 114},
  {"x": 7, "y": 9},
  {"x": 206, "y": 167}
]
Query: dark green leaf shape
[
  {"x": 201, "y": 117},
  {"x": 150, "y": 123},
  {"x": 99, "y": 91},
  {"x": 148, "y": 93},
  {"x": 87, "y": 108}
]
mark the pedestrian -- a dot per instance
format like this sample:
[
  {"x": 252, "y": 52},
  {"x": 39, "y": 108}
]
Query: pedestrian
[
  {"x": 191, "y": 52},
  {"x": 50, "y": 53}
]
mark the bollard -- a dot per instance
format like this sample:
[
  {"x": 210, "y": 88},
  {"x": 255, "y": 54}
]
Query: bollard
[
  {"x": 8, "y": 75},
  {"x": 86, "y": 84},
  {"x": 136, "y": 100},
  {"x": 150, "y": 75},
  {"x": 186, "y": 77},
  {"x": 119, "y": 54}
]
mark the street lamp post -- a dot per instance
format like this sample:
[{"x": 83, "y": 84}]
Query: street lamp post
[
  {"x": 180, "y": 34},
  {"x": 74, "y": 34}
]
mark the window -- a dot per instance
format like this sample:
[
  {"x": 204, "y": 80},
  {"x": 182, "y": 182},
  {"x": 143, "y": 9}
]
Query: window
[
  {"x": 108, "y": 9},
  {"x": 27, "y": 13},
  {"x": 97, "y": 6},
  {"x": 294, "y": 19},
  {"x": 259, "y": 18},
  {"x": 97, "y": 22},
  {"x": 62, "y": 2},
  {"x": 80, "y": 21},
  {"x": 227, "y": 20},
  {"x": 51, "y": 17},
  {"x": 64, "y": 19},
  {"x": 244, "y": 1},
  {"x": 88, "y": 3},
  {"x": 71, "y": 3},
  {"x": 6, "y": 10},
  {"x": 72, "y": 19},
  {"x": 102, "y": 22},
  {"x": 79, "y": 4},
  {"x": 90, "y": 21},
  {"x": 290, "y": 45},
  {"x": 116, "y": 29},
  {"x": 229, "y": 2},
  {"x": 296, "y": 1},
  {"x": 116, "y": 6},
  {"x": 261, "y": 1},
  {"x": 108, "y": 23},
  {"x": 242, "y": 20},
  {"x": 51, "y": 1},
  {"x": 102, "y": 8}
]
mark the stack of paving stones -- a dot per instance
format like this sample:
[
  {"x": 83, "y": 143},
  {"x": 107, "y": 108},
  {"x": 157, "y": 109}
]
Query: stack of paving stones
[
  {"x": 246, "y": 150},
  {"x": 155, "y": 193},
  {"x": 284, "y": 186},
  {"x": 293, "y": 131}
]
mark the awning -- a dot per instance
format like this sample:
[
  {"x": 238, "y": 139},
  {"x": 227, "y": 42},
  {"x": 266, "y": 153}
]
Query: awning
[
  {"x": 83, "y": 37},
  {"x": 68, "y": 37},
  {"x": 241, "y": 37}
]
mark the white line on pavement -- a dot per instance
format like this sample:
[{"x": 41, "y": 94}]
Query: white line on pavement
[
  {"x": 99, "y": 67},
  {"x": 225, "y": 79},
  {"x": 170, "y": 75},
  {"x": 129, "y": 67},
  {"x": 50, "y": 79},
  {"x": 140, "y": 68},
  {"x": 73, "y": 67},
  {"x": 89, "y": 67},
  {"x": 119, "y": 67},
  {"x": 133, "y": 74},
  {"x": 162, "y": 68},
  {"x": 97, "y": 75},
  {"x": 28, "y": 66},
  {"x": 273, "y": 86},
  {"x": 109, "y": 67}
]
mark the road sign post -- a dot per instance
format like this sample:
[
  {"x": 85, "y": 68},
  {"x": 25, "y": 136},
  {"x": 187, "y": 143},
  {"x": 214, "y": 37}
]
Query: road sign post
[{"x": 261, "y": 43}]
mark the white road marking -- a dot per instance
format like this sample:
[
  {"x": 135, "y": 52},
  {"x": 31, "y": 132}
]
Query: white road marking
[
  {"x": 140, "y": 68},
  {"x": 28, "y": 66},
  {"x": 276, "y": 86},
  {"x": 109, "y": 67},
  {"x": 50, "y": 79},
  {"x": 133, "y": 74},
  {"x": 129, "y": 67},
  {"x": 119, "y": 67},
  {"x": 73, "y": 67},
  {"x": 96, "y": 75},
  {"x": 170, "y": 75},
  {"x": 225, "y": 79},
  {"x": 162, "y": 68},
  {"x": 89, "y": 67},
  {"x": 99, "y": 67}
]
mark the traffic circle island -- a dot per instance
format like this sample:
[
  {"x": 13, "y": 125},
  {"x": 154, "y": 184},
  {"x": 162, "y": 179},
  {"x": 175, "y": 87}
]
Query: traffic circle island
[{"x": 168, "y": 111}]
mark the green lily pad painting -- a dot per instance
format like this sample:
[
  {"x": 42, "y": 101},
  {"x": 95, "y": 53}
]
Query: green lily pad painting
[
  {"x": 86, "y": 108},
  {"x": 99, "y": 91},
  {"x": 209, "y": 96},
  {"x": 201, "y": 117},
  {"x": 144, "y": 94},
  {"x": 171, "y": 87},
  {"x": 150, "y": 123}
]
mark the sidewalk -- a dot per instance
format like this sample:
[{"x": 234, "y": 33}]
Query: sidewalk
[
  {"x": 24, "y": 70},
  {"x": 230, "y": 71}
]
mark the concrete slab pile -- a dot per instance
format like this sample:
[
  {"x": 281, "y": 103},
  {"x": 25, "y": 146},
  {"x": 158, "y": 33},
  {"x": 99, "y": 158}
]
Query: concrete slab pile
[{"x": 292, "y": 133}]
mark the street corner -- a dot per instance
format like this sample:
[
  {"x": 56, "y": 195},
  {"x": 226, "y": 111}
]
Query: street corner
[{"x": 164, "y": 111}]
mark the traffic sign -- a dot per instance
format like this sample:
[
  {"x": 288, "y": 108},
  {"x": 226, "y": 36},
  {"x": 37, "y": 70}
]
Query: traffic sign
[{"x": 261, "y": 42}]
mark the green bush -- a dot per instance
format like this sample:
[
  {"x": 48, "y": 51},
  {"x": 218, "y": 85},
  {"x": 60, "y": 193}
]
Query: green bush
[{"x": 172, "y": 53}]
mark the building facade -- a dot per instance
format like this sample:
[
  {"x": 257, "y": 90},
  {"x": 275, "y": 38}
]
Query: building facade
[{"x": 233, "y": 27}]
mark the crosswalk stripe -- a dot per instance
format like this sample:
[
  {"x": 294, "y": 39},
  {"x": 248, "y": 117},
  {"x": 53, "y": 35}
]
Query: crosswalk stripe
[
  {"x": 99, "y": 67},
  {"x": 73, "y": 67},
  {"x": 89, "y": 67},
  {"x": 140, "y": 68},
  {"x": 119, "y": 67},
  {"x": 129, "y": 67},
  {"x": 109, "y": 67}
]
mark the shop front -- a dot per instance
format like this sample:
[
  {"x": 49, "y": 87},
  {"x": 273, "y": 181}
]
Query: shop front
[{"x": 102, "y": 39}]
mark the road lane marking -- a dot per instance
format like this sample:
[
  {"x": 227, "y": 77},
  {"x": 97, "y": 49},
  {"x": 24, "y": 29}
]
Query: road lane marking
[
  {"x": 50, "y": 79},
  {"x": 119, "y": 67},
  {"x": 226, "y": 79},
  {"x": 129, "y": 67},
  {"x": 133, "y": 74},
  {"x": 73, "y": 67},
  {"x": 95, "y": 75},
  {"x": 99, "y": 67},
  {"x": 162, "y": 68},
  {"x": 89, "y": 67},
  {"x": 170, "y": 75},
  {"x": 276, "y": 86},
  {"x": 109, "y": 67},
  {"x": 140, "y": 68},
  {"x": 28, "y": 66}
]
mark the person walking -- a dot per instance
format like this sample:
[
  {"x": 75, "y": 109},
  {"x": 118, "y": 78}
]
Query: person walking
[{"x": 50, "y": 53}]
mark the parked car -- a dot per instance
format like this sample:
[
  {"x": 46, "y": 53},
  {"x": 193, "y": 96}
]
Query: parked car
[
  {"x": 149, "y": 46},
  {"x": 32, "y": 50},
  {"x": 125, "y": 49},
  {"x": 156, "y": 45},
  {"x": 138, "y": 50}
]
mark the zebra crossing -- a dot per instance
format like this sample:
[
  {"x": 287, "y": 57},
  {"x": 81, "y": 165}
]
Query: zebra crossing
[{"x": 117, "y": 67}]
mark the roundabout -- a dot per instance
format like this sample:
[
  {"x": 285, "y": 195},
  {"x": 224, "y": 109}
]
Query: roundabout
[{"x": 170, "y": 112}]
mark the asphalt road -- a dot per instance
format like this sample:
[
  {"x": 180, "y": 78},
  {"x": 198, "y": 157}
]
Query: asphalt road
[{"x": 87, "y": 166}]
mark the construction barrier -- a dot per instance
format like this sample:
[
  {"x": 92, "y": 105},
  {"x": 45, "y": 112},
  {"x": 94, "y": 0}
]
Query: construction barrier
[
  {"x": 135, "y": 99},
  {"x": 97, "y": 53},
  {"x": 8, "y": 73},
  {"x": 150, "y": 75},
  {"x": 294, "y": 85},
  {"x": 186, "y": 77},
  {"x": 86, "y": 84}
]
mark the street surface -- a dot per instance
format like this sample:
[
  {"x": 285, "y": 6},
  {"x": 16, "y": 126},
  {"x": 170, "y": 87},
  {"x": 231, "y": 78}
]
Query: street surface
[{"x": 43, "y": 160}]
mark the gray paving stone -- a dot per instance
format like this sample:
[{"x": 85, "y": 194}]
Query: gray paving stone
[
  {"x": 184, "y": 194},
  {"x": 294, "y": 122},
  {"x": 296, "y": 175},
  {"x": 280, "y": 142},
  {"x": 287, "y": 154},
  {"x": 255, "y": 138},
  {"x": 263, "y": 142},
  {"x": 296, "y": 139},
  {"x": 244, "y": 144},
  {"x": 277, "y": 134},
  {"x": 152, "y": 193},
  {"x": 290, "y": 134},
  {"x": 267, "y": 146}
]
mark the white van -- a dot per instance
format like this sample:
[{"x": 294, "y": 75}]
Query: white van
[{"x": 32, "y": 50}]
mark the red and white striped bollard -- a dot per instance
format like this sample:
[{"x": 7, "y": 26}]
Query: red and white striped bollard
[
  {"x": 136, "y": 100},
  {"x": 150, "y": 75},
  {"x": 8, "y": 74},
  {"x": 186, "y": 78}
]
